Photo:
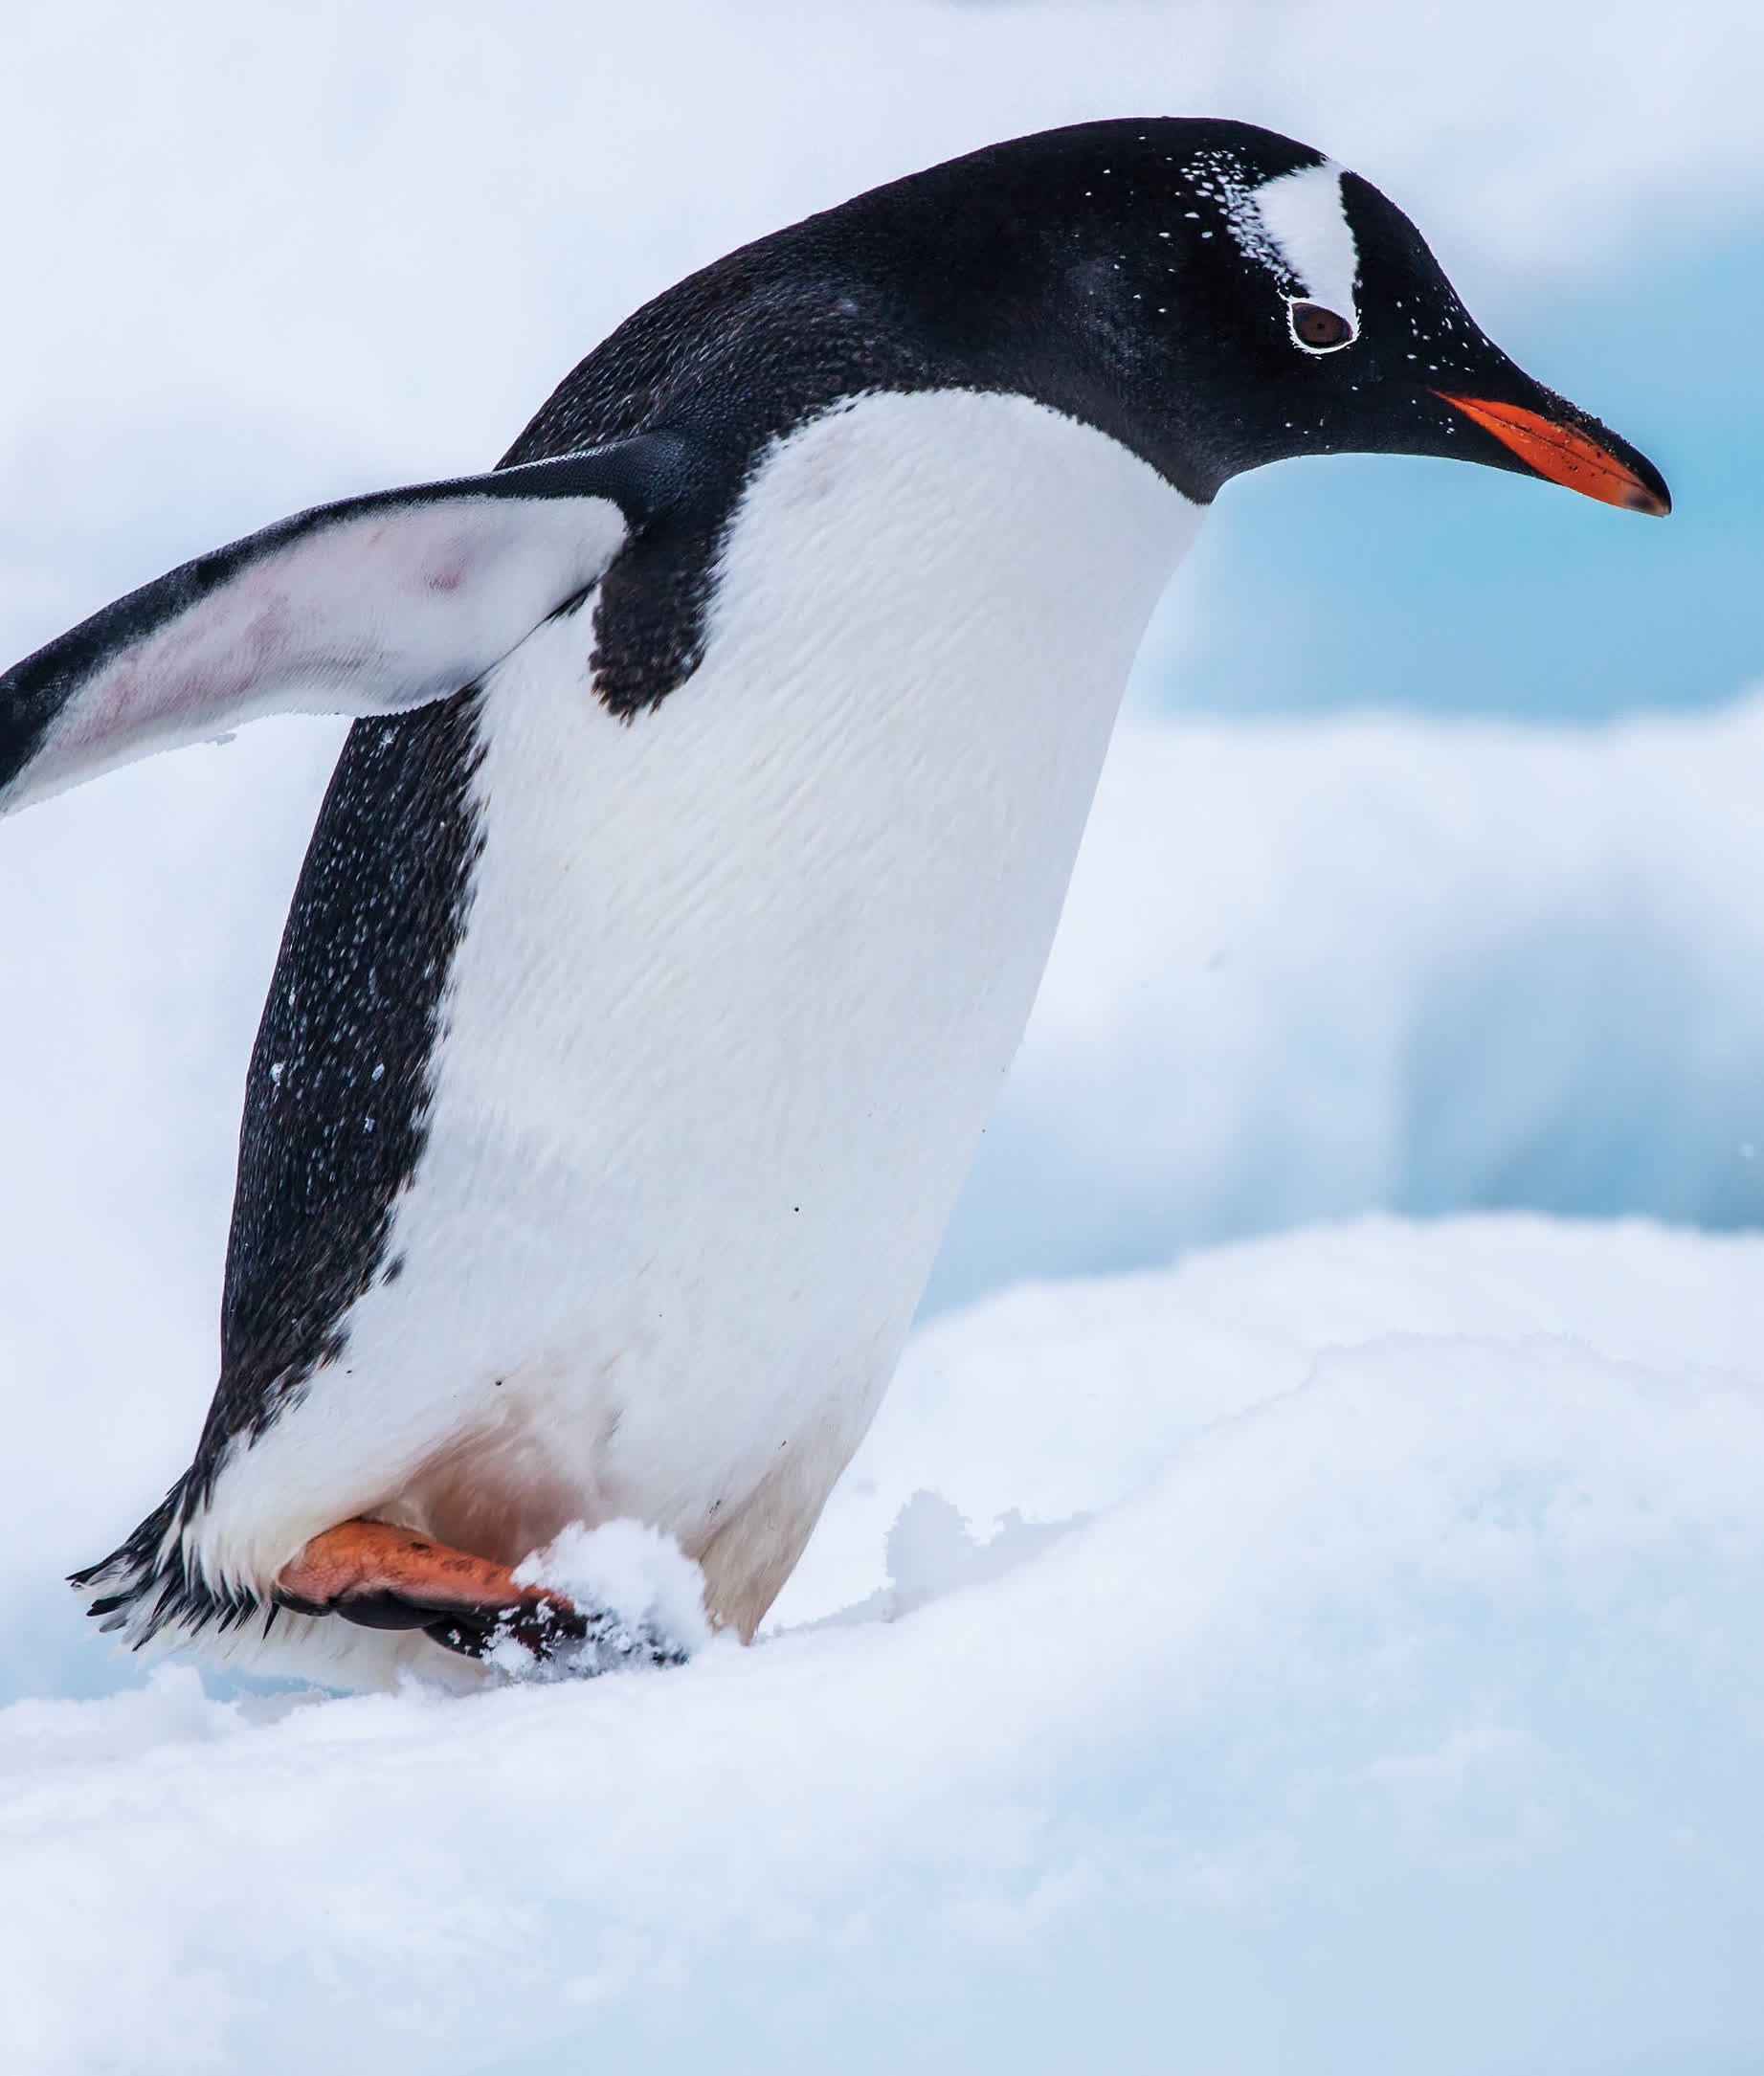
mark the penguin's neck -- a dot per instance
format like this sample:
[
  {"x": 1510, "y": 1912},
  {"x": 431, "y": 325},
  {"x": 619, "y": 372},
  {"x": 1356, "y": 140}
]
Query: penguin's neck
[{"x": 950, "y": 535}]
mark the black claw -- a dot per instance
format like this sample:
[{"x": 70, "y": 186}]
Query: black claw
[
  {"x": 386, "y": 1610},
  {"x": 470, "y": 1634},
  {"x": 576, "y": 1643},
  {"x": 382, "y": 1611}
]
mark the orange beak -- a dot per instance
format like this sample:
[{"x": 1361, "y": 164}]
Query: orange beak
[{"x": 1562, "y": 455}]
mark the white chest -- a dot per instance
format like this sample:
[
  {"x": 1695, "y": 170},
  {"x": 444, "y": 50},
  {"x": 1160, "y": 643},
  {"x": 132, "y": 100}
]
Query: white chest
[{"x": 742, "y": 977}]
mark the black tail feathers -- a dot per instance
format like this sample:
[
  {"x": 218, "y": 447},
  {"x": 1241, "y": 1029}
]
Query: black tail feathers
[{"x": 149, "y": 1583}]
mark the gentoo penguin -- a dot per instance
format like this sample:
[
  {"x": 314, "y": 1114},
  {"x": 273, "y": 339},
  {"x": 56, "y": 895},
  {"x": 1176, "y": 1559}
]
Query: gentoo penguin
[{"x": 678, "y": 899}]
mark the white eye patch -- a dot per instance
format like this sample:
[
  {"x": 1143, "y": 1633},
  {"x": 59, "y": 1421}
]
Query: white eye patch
[{"x": 1302, "y": 217}]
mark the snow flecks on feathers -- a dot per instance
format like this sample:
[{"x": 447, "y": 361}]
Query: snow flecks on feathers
[{"x": 337, "y": 1108}]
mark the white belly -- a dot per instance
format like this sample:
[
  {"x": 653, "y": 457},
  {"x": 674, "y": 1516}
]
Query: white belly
[{"x": 740, "y": 982}]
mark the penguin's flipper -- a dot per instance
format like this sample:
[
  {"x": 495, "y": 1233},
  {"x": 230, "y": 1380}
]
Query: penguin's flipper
[{"x": 371, "y": 606}]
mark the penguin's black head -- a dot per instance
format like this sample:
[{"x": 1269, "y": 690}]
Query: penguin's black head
[
  {"x": 1216, "y": 297},
  {"x": 1211, "y": 296}
]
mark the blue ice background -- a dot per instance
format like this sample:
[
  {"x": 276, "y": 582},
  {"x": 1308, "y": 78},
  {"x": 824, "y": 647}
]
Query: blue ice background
[{"x": 1378, "y": 581}]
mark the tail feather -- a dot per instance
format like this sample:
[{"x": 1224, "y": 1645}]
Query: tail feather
[
  {"x": 150, "y": 1585},
  {"x": 152, "y": 1593}
]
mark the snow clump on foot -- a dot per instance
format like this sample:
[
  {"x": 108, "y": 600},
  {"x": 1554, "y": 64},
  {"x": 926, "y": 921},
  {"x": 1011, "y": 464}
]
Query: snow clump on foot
[{"x": 639, "y": 1597}]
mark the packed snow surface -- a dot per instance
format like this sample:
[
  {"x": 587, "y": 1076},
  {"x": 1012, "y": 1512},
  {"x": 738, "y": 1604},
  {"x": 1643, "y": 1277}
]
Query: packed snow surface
[{"x": 1339, "y": 1653}]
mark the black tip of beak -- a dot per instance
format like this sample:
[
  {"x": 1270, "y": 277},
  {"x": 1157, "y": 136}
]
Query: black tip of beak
[{"x": 1564, "y": 448}]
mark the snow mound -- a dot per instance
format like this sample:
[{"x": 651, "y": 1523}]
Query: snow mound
[
  {"x": 1308, "y": 970},
  {"x": 1381, "y": 1692}
]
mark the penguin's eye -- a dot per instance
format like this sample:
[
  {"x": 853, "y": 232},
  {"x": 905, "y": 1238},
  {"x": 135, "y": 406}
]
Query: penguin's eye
[{"x": 1318, "y": 331}]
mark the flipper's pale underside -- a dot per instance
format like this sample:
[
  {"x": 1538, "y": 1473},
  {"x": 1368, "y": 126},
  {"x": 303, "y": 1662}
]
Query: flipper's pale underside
[{"x": 371, "y": 606}]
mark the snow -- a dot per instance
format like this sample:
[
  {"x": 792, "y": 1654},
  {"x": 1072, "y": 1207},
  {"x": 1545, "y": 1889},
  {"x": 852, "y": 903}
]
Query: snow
[
  {"x": 1388, "y": 1698},
  {"x": 650, "y": 1594}
]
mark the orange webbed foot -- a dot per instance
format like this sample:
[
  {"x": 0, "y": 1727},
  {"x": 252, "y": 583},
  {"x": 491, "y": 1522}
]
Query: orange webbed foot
[{"x": 386, "y": 1577}]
